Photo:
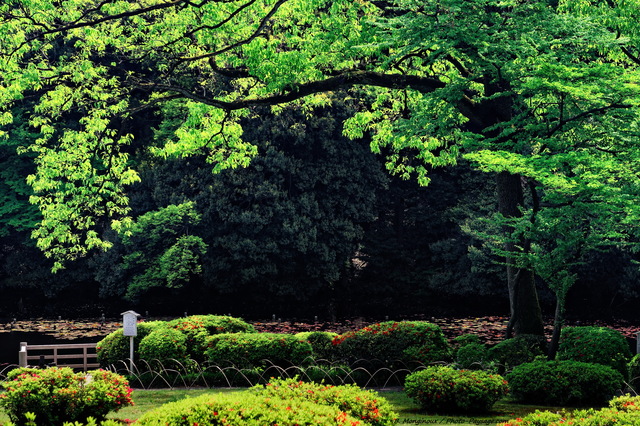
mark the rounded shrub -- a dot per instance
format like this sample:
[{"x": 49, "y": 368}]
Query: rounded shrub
[
  {"x": 394, "y": 344},
  {"x": 440, "y": 388},
  {"x": 165, "y": 346},
  {"x": 517, "y": 350},
  {"x": 599, "y": 345},
  {"x": 198, "y": 327},
  {"x": 321, "y": 342},
  {"x": 564, "y": 383},
  {"x": 472, "y": 356},
  {"x": 57, "y": 395},
  {"x": 114, "y": 348},
  {"x": 248, "y": 350},
  {"x": 362, "y": 404}
]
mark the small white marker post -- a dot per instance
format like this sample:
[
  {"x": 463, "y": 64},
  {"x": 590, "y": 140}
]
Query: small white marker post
[{"x": 130, "y": 328}]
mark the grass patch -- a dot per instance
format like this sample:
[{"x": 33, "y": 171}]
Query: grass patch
[{"x": 407, "y": 410}]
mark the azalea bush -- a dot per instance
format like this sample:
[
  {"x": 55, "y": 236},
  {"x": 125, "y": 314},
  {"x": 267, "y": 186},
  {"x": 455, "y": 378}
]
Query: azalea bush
[
  {"x": 361, "y": 404},
  {"x": 564, "y": 383},
  {"x": 623, "y": 410},
  {"x": 439, "y": 388},
  {"x": 394, "y": 344},
  {"x": 56, "y": 395},
  {"x": 245, "y": 409}
]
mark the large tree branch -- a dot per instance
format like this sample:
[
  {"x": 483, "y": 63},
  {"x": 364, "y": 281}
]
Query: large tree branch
[
  {"x": 586, "y": 113},
  {"x": 350, "y": 79}
]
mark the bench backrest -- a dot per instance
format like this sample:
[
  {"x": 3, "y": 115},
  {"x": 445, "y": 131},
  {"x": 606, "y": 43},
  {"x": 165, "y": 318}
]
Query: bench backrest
[{"x": 75, "y": 355}]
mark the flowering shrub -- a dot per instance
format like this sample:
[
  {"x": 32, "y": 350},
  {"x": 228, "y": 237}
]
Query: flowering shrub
[
  {"x": 564, "y": 382},
  {"x": 446, "y": 389},
  {"x": 197, "y": 328},
  {"x": 56, "y": 395},
  {"x": 390, "y": 342},
  {"x": 248, "y": 350},
  {"x": 361, "y": 404},
  {"x": 599, "y": 345},
  {"x": 623, "y": 410},
  {"x": 246, "y": 409},
  {"x": 115, "y": 346},
  {"x": 166, "y": 346}
]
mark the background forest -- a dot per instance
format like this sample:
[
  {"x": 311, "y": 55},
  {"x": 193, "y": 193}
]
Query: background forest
[{"x": 314, "y": 226}]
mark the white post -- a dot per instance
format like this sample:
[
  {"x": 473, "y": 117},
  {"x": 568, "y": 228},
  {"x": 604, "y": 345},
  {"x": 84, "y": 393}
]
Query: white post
[
  {"x": 131, "y": 354},
  {"x": 129, "y": 328},
  {"x": 22, "y": 355}
]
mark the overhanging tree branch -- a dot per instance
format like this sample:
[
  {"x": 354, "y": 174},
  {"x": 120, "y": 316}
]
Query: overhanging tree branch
[{"x": 350, "y": 79}]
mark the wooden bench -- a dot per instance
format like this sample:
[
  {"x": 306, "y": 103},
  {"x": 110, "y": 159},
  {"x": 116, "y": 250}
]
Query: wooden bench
[{"x": 74, "y": 355}]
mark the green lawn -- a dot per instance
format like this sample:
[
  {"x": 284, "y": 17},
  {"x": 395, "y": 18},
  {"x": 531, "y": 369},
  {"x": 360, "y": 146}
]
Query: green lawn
[{"x": 409, "y": 413}]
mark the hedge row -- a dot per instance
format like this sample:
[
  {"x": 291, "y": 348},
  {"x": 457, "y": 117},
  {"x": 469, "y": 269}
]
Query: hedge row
[{"x": 229, "y": 341}]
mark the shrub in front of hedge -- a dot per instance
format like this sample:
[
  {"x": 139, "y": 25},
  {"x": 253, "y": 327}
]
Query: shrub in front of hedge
[
  {"x": 599, "y": 345},
  {"x": 56, "y": 395},
  {"x": 165, "y": 346},
  {"x": 248, "y": 350},
  {"x": 321, "y": 342},
  {"x": 198, "y": 327},
  {"x": 517, "y": 350},
  {"x": 564, "y": 383},
  {"x": 440, "y": 388},
  {"x": 624, "y": 410},
  {"x": 361, "y": 404},
  {"x": 245, "y": 409},
  {"x": 394, "y": 344}
]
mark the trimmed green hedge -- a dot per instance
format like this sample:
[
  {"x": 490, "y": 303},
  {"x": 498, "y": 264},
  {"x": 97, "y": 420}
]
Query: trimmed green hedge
[
  {"x": 248, "y": 350},
  {"x": 114, "y": 348},
  {"x": 564, "y": 383},
  {"x": 197, "y": 328},
  {"x": 599, "y": 345},
  {"x": 394, "y": 344}
]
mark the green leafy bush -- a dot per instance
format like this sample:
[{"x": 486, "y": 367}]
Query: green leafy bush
[
  {"x": 394, "y": 344},
  {"x": 56, "y": 395},
  {"x": 165, "y": 346},
  {"x": 321, "y": 342},
  {"x": 361, "y": 404},
  {"x": 518, "y": 350},
  {"x": 624, "y": 410},
  {"x": 472, "y": 356},
  {"x": 198, "y": 327},
  {"x": 31, "y": 421},
  {"x": 599, "y": 345},
  {"x": 248, "y": 350},
  {"x": 114, "y": 348},
  {"x": 329, "y": 374},
  {"x": 465, "y": 339},
  {"x": 245, "y": 409},
  {"x": 446, "y": 389},
  {"x": 564, "y": 383}
]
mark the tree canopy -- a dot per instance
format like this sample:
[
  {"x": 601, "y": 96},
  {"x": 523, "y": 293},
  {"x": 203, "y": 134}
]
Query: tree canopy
[{"x": 542, "y": 93}]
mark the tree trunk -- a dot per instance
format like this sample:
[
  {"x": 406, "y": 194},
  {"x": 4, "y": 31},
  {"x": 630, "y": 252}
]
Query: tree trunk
[
  {"x": 526, "y": 315},
  {"x": 558, "y": 322}
]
